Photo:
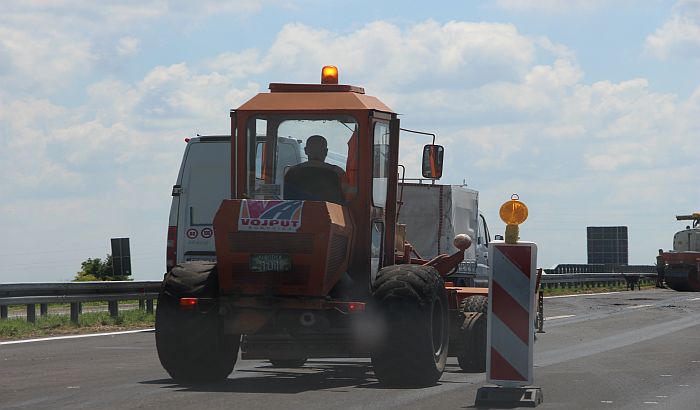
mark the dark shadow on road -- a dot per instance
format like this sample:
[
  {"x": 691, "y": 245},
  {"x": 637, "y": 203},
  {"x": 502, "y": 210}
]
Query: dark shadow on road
[{"x": 314, "y": 375}]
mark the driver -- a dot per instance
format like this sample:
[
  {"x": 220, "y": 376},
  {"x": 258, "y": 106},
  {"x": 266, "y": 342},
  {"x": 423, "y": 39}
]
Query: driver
[{"x": 315, "y": 179}]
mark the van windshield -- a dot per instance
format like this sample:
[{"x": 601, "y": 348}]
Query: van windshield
[{"x": 307, "y": 158}]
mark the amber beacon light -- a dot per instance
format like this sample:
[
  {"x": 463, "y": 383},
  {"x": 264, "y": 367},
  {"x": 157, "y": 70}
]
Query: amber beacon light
[
  {"x": 329, "y": 75},
  {"x": 513, "y": 213}
]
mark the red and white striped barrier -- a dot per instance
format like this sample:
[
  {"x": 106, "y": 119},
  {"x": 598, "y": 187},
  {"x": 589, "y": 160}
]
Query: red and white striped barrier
[{"x": 511, "y": 313}]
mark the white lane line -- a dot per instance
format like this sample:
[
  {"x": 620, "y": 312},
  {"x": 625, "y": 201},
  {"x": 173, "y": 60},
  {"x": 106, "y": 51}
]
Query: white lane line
[
  {"x": 558, "y": 317},
  {"x": 580, "y": 294},
  {"x": 651, "y": 402},
  {"x": 693, "y": 299},
  {"x": 638, "y": 306},
  {"x": 46, "y": 339}
]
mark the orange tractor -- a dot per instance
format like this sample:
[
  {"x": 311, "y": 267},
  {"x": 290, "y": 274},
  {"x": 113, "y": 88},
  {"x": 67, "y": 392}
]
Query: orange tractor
[{"x": 311, "y": 262}]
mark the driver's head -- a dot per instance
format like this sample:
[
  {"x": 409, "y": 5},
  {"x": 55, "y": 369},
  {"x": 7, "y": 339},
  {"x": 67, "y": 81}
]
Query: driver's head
[{"x": 316, "y": 148}]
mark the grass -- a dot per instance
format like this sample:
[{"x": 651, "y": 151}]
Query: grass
[{"x": 54, "y": 325}]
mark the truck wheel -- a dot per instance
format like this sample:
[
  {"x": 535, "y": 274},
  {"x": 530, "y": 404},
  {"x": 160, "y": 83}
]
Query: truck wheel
[
  {"x": 412, "y": 304},
  {"x": 473, "y": 358},
  {"x": 288, "y": 363},
  {"x": 192, "y": 346}
]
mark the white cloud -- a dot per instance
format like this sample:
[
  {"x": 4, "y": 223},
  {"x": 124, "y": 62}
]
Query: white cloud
[
  {"x": 509, "y": 122},
  {"x": 679, "y": 35},
  {"x": 128, "y": 46}
]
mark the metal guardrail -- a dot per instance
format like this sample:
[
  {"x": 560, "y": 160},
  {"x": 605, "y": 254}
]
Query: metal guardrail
[
  {"x": 577, "y": 280},
  {"x": 75, "y": 293},
  {"x": 566, "y": 268}
]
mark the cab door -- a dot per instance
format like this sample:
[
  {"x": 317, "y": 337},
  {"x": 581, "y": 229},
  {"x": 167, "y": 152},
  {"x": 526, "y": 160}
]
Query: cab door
[{"x": 384, "y": 134}]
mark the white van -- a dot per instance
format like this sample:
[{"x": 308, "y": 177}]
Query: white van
[{"x": 203, "y": 182}]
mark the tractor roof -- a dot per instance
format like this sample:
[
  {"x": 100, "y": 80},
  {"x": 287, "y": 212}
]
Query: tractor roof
[{"x": 313, "y": 97}]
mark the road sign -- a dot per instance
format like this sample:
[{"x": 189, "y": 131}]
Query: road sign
[
  {"x": 511, "y": 313},
  {"x": 510, "y": 327},
  {"x": 121, "y": 257}
]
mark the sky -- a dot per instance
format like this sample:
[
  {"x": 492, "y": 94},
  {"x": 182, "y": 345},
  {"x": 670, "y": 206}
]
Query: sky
[{"x": 588, "y": 110}]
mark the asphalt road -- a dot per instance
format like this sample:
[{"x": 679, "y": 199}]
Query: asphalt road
[{"x": 631, "y": 350}]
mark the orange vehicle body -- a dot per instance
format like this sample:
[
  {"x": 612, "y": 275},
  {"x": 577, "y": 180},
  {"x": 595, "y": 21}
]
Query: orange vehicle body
[{"x": 331, "y": 243}]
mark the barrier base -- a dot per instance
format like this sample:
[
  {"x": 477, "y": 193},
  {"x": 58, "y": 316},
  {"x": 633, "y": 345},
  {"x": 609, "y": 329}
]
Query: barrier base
[{"x": 508, "y": 397}]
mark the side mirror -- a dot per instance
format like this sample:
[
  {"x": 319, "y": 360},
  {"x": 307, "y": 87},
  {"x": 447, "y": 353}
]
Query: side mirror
[{"x": 432, "y": 161}]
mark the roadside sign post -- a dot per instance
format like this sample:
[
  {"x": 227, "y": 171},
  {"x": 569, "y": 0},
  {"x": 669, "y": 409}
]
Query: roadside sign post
[
  {"x": 121, "y": 257},
  {"x": 511, "y": 320}
]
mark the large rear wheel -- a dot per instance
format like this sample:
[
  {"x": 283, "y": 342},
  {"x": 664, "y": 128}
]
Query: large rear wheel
[
  {"x": 192, "y": 346},
  {"x": 412, "y": 304},
  {"x": 473, "y": 358}
]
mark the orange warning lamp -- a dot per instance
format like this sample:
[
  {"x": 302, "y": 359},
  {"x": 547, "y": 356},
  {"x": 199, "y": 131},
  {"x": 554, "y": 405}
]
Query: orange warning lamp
[
  {"x": 513, "y": 213},
  {"x": 329, "y": 75}
]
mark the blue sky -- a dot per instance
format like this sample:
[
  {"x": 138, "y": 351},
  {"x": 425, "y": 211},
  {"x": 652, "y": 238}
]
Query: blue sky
[{"x": 589, "y": 110}]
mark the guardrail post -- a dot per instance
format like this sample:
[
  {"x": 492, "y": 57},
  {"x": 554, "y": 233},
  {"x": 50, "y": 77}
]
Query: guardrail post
[
  {"x": 3, "y": 312},
  {"x": 540, "y": 308},
  {"x": 149, "y": 306},
  {"x": 74, "y": 312},
  {"x": 44, "y": 309},
  {"x": 31, "y": 313},
  {"x": 113, "y": 308}
]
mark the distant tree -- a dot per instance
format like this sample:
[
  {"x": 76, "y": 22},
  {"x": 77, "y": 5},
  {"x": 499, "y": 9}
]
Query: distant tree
[{"x": 97, "y": 270}]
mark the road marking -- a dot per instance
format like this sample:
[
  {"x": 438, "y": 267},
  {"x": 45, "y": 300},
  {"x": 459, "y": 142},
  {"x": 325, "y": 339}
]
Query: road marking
[
  {"x": 693, "y": 299},
  {"x": 666, "y": 375},
  {"x": 638, "y": 306},
  {"x": 683, "y": 385},
  {"x": 661, "y": 397},
  {"x": 558, "y": 317},
  {"x": 580, "y": 294},
  {"x": 651, "y": 402},
  {"x": 606, "y": 401},
  {"x": 46, "y": 339}
]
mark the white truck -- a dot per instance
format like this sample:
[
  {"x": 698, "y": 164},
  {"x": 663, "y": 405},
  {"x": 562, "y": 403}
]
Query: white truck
[{"x": 435, "y": 213}]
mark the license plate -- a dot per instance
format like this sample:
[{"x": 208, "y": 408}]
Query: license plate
[{"x": 270, "y": 262}]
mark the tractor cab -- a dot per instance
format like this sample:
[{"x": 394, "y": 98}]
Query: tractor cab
[{"x": 325, "y": 214}]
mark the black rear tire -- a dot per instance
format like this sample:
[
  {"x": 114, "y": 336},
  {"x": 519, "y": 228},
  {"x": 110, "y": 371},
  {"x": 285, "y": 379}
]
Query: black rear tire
[
  {"x": 192, "y": 346},
  {"x": 412, "y": 303},
  {"x": 473, "y": 358}
]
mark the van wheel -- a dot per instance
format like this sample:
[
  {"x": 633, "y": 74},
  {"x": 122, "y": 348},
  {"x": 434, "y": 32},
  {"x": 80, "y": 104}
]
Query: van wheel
[
  {"x": 191, "y": 344},
  {"x": 473, "y": 358},
  {"x": 412, "y": 303}
]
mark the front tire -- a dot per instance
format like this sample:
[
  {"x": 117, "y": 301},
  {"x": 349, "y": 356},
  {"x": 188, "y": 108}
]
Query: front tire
[
  {"x": 411, "y": 301},
  {"x": 192, "y": 346}
]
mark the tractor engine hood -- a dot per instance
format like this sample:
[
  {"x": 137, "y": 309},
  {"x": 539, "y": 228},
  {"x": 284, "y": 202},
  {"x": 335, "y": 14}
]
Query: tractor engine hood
[{"x": 281, "y": 247}]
